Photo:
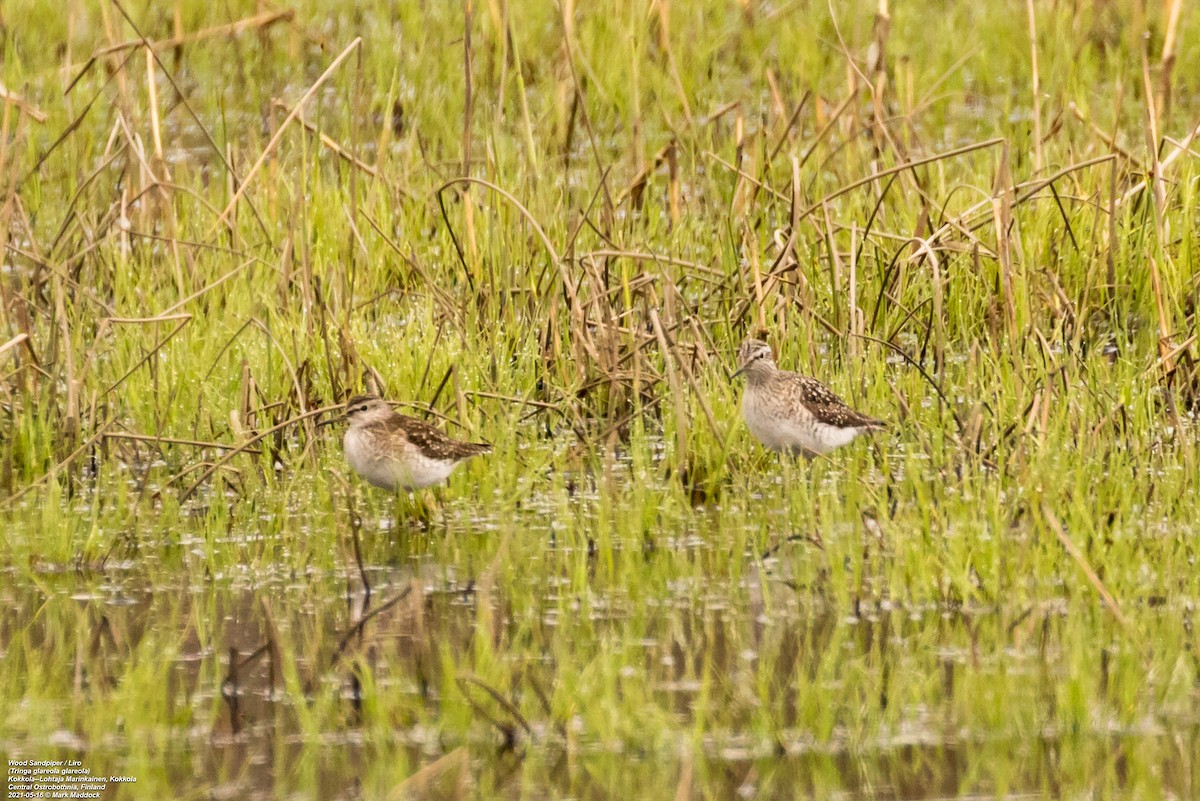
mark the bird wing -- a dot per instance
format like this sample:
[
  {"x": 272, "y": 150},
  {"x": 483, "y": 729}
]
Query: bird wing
[
  {"x": 433, "y": 443},
  {"x": 826, "y": 406}
]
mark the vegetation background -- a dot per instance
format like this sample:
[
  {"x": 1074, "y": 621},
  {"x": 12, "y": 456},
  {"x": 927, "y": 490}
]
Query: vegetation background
[{"x": 548, "y": 225}]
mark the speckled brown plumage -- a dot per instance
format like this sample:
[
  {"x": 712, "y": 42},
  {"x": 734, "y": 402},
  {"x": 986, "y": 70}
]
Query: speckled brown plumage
[
  {"x": 793, "y": 413},
  {"x": 819, "y": 399},
  {"x": 396, "y": 452},
  {"x": 431, "y": 442}
]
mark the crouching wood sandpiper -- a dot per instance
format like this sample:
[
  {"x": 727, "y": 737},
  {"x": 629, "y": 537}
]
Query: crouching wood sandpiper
[
  {"x": 395, "y": 452},
  {"x": 792, "y": 413}
]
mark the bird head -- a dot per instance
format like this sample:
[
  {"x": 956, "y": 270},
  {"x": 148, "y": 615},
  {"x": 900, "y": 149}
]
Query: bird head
[
  {"x": 362, "y": 409},
  {"x": 752, "y": 355}
]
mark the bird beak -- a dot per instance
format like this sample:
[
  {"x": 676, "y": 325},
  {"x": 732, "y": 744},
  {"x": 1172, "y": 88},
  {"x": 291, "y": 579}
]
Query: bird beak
[
  {"x": 740, "y": 370},
  {"x": 332, "y": 420}
]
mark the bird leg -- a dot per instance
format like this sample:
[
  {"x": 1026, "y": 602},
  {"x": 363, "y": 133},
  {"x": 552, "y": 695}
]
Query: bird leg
[{"x": 421, "y": 507}]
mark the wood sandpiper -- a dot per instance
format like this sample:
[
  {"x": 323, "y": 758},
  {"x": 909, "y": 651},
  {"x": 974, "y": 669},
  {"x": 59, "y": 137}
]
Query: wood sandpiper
[
  {"x": 396, "y": 452},
  {"x": 792, "y": 413}
]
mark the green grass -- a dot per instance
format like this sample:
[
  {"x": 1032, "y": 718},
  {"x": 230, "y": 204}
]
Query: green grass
[{"x": 629, "y": 596}]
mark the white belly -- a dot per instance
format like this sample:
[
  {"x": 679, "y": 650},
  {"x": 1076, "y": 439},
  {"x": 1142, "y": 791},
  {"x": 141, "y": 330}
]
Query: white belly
[
  {"x": 411, "y": 473},
  {"x": 795, "y": 435}
]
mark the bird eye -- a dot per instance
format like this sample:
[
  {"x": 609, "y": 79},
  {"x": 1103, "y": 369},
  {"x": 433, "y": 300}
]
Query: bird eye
[{"x": 362, "y": 408}]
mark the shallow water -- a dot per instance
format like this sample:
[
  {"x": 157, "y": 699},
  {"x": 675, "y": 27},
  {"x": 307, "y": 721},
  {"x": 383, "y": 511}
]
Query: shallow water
[{"x": 711, "y": 660}]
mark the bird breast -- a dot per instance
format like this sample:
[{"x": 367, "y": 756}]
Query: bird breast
[
  {"x": 770, "y": 424},
  {"x": 790, "y": 427},
  {"x": 392, "y": 463}
]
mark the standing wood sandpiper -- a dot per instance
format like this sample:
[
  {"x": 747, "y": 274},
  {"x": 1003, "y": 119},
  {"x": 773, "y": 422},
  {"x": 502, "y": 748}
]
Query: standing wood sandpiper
[
  {"x": 792, "y": 413},
  {"x": 396, "y": 452}
]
